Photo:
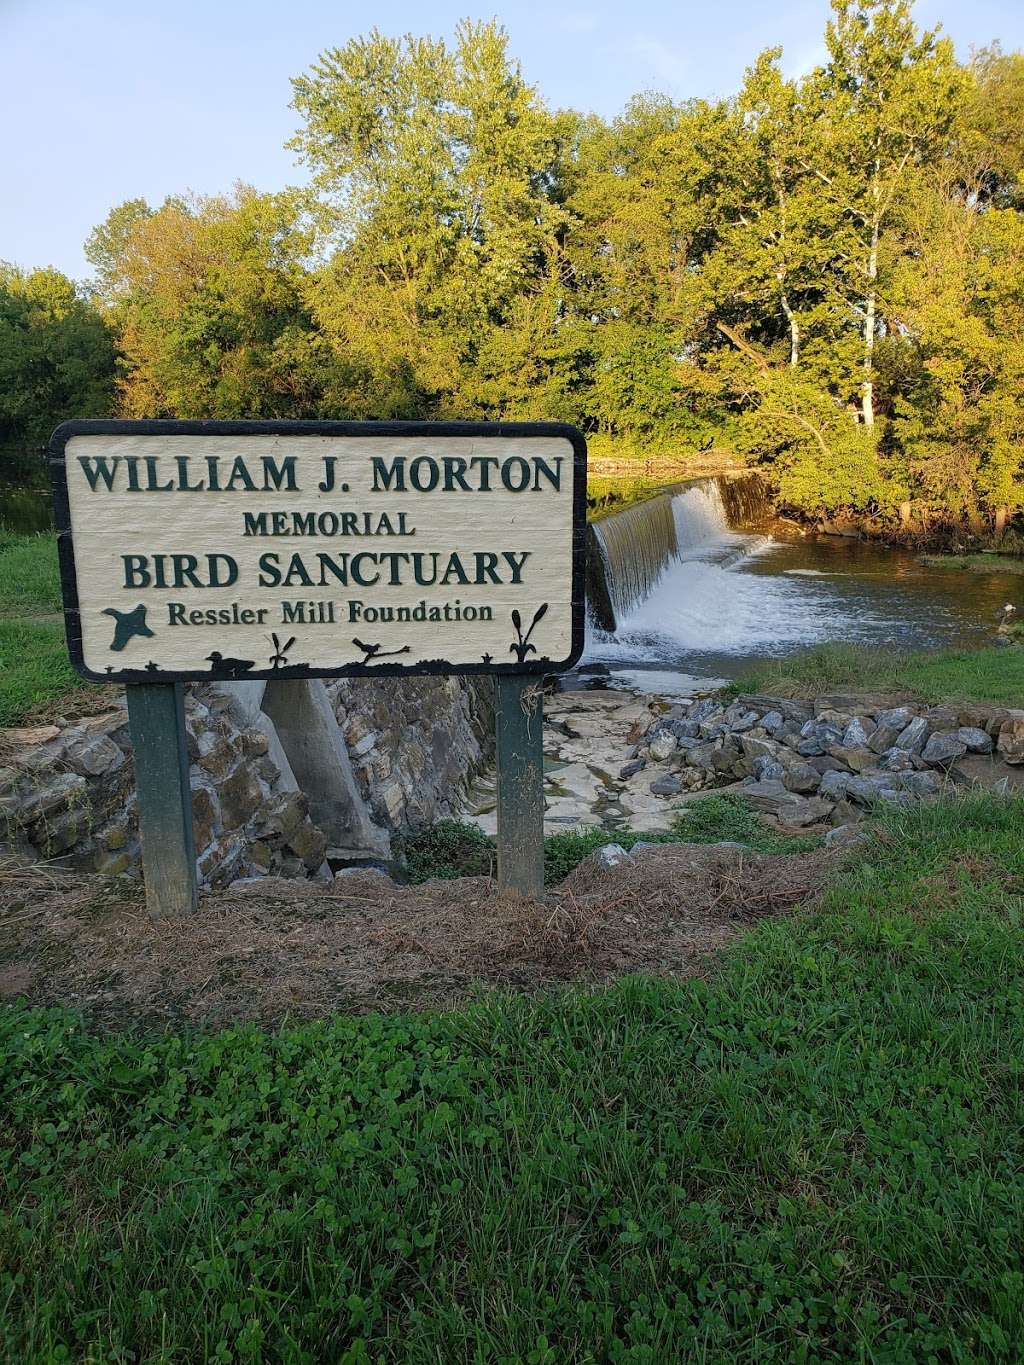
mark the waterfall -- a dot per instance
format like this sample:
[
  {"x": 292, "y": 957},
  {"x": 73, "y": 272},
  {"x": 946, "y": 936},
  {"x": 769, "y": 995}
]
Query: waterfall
[{"x": 631, "y": 549}]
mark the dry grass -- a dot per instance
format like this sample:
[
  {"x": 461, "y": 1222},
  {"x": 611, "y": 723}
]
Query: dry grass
[{"x": 278, "y": 949}]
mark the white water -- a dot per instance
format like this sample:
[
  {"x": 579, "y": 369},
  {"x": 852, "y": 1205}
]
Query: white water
[{"x": 714, "y": 598}]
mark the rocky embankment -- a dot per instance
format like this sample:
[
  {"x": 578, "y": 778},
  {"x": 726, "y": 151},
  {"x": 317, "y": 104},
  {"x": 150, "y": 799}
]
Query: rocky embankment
[
  {"x": 626, "y": 760},
  {"x": 805, "y": 763}
]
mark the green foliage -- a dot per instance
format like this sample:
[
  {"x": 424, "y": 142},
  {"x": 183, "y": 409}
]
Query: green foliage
[
  {"x": 814, "y": 1152},
  {"x": 56, "y": 356},
  {"x": 714, "y": 819},
  {"x": 34, "y": 666},
  {"x": 447, "y": 849},
  {"x": 993, "y": 674},
  {"x": 825, "y": 270},
  {"x": 981, "y": 563}
]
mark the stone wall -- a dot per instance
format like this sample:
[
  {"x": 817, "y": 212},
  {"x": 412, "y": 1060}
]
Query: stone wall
[
  {"x": 415, "y": 747},
  {"x": 281, "y": 776}
]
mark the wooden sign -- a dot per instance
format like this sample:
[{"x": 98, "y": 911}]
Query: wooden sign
[{"x": 216, "y": 550}]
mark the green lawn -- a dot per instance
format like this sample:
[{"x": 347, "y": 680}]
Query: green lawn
[
  {"x": 34, "y": 667},
  {"x": 29, "y": 576},
  {"x": 994, "y": 674},
  {"x": 814, "y": 1154}
]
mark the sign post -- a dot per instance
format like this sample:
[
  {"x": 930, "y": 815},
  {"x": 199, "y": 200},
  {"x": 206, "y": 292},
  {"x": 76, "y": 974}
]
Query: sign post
[
  {"x": 156, "y": 712},
  {"x": 206, "y": 551},
  {"x": 520, "y": 744}
]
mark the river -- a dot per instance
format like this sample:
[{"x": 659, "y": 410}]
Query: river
[{"x": 700, "y": 582}]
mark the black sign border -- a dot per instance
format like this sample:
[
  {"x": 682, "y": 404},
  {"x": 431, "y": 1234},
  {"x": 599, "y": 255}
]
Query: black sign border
[{"x": 435, "y": 667}]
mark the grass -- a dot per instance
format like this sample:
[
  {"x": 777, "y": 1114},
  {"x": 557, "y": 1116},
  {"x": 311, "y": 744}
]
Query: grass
[
  {"x": 34, "y": 667},
  {"x": 29, "y": 576},
  {"x": 994, "y": 674},
  {"x": 993, "y": 562},
  {"x": 815, "y": 1154},
  {"x": 452, "y": 849}
]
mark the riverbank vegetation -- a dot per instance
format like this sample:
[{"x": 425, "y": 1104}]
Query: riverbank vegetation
[
  {"x": 994, "y": 674},
  {"x": 812, "y": 1150},
  {"x": 824, "y": 273}
]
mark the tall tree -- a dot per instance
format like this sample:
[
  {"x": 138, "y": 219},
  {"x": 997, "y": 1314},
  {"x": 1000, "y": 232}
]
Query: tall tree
[
  {"x": 56, "y": 355},
  {"x": 438, "y": 167},
  {"x": 885, "y": 106}
]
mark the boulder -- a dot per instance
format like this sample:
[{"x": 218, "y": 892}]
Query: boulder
[
  {"x": 92, "y": 755},
  {"x": 669, "y": 785},
  {"x": 854, "y": 760},
  {"x": 772, "y": 722},
  {"x": 703, "y": 755},
  {"x": 867, "y": 790},
  {"x": 607, "y": 856},
  {"x": 921, "y": 785},
  {"x": 628, "y": 769},
  {"x": 913, "y": 737},
  {"x": 662, "y": 745},
  {"x": 834, "y": 785},
  {"x": 978, "y": 741},
  {"x": 746, "y": 721},
  {"x": 1011, "y": 738},
  {"x": 857, "y": 733},
  {"x": 772, "y": 797},
  {"x": 753, "y": 747},
  {"x": 943, "y": 748},
  {"x": 768, "y": 769},
  {"x": 896, "y": 760},
  {"x": 65, "y": 789},
  {"x": 802, "y": 778},
  {"x": 891, "y": 725},
  {"x": 845, "y": 836}
]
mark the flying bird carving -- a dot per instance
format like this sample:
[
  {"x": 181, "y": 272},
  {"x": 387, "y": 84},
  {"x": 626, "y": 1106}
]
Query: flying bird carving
[{"x": 127, "y": 624}]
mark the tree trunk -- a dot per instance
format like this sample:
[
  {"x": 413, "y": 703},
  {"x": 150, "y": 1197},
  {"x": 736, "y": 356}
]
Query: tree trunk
[
  {"x": 868, "y": 387},
  {"x": 905, "y": 514},
  {"x": 794, "y": 332},
  {"x": 1000, "y": 524}
]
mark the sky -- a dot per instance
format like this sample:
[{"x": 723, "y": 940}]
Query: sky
[{"x": 107, "y": 100}]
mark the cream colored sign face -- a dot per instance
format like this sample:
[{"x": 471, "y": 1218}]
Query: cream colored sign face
[{"x": 293, "y": 551}]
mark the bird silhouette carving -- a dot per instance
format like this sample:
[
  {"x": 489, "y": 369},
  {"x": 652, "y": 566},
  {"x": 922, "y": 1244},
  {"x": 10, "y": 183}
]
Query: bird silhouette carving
[
  {"x": 232, "y": 666},
  {"x": 127, "y": 624},
  {"x": 377, "y": 651}
]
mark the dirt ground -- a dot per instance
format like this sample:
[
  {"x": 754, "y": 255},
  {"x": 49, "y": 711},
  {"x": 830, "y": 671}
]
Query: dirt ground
[{"x": 278, "y": 949}]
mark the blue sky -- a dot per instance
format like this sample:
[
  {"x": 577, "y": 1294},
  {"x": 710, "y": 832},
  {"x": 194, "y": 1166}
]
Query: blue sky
[{"x": 113, "y": 99}]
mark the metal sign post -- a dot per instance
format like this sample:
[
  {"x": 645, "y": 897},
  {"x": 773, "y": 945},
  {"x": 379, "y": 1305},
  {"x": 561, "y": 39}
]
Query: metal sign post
[{"x": 206, "y": 551}]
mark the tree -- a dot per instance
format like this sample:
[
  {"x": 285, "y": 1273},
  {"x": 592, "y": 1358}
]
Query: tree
[
  {"x": 56, "y": 355},
  {"x": 958, "y": 297},
  {"x": 437, "y": 167},
  {"x": 207, "y": 298},
  {"x": 885, "y": 106}
]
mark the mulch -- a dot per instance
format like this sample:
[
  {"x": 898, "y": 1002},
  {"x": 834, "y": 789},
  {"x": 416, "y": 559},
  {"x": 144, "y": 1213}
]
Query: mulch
[{"x": 279, "y": 949}]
